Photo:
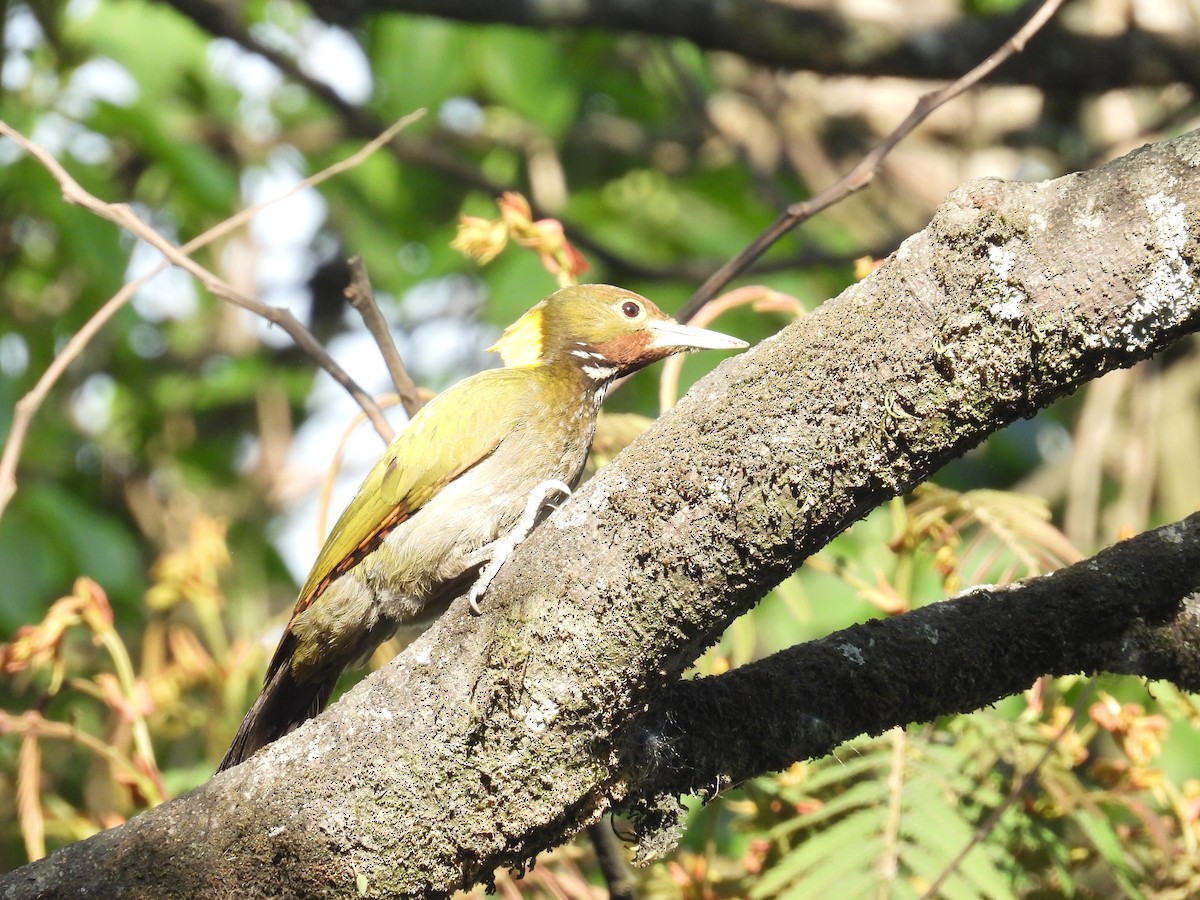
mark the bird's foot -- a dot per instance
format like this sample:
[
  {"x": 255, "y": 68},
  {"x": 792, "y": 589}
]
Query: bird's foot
[{"x": 498, "y": 551}]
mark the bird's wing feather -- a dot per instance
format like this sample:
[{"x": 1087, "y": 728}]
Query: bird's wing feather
[{"x": 450, "y": 435}]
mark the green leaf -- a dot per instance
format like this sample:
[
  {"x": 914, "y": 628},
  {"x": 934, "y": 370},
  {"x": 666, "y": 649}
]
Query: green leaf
[
  {"x": 155, "y": 44},
  {"x": 525, "y": 70},
  {"x": 418, "y": 61},
  {"x": 184, "y": 166},
  {"x": 48, "y": 538}
]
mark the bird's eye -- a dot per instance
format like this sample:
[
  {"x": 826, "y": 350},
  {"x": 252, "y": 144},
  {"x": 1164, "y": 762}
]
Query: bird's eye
[{"x": 630, "y": 309}]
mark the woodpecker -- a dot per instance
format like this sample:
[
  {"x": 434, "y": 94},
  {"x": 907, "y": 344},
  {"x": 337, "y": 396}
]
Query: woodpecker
[{"x": 458, "y": 489}]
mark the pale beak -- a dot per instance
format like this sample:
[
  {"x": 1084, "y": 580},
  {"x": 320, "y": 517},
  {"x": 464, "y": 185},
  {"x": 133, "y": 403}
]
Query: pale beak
[{"x": 673, "y": 336}]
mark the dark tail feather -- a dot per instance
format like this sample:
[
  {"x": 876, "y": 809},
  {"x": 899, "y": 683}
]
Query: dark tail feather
[{"x": 283, "y": 705}]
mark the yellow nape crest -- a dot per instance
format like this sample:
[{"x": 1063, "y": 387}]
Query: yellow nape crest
[{"x": 522, "y": 341}]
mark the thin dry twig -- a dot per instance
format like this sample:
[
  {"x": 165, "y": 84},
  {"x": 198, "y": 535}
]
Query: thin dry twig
[
  {"x": 28, "y": 796},
  {"x": 362, "y": 298},
  {"x": 335, "y": 466},
  {"x": 617, "y": 877},
  {"x": 864, "y": 172},
  {"x": 28, "y": 405},
  {"x": 889, "y": 861}
]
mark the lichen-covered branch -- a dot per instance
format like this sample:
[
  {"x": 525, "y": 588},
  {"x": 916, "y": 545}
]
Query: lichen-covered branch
[
  {"x": 492, "y": 738},
  {"x": 1133, "y": 609}
]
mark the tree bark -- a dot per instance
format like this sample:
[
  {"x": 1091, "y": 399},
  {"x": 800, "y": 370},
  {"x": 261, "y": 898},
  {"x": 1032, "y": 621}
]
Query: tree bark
[{"x": 493, "y": 738}]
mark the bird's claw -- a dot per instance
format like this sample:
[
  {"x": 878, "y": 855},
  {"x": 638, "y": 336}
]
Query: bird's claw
[{"x": 500, "y": 549}]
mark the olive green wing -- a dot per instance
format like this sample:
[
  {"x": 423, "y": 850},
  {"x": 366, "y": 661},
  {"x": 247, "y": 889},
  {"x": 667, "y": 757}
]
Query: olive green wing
[{"x": 452, "y": 433}]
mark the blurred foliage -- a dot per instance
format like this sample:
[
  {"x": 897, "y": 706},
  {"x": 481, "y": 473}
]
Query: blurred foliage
[{"x": 133, "y": 642}]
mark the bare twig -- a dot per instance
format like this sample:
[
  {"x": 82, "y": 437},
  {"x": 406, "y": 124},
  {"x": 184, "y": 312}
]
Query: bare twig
[
  {"x": 29, "y": 796},
  {"x": 617, "y": 877},
  {"x": 362, "y": 298},
  {"x": 888, "y": 863},
  {"x": 864, "y": 172},
  {"x": 335, "y": 466},
  {"x": 28, "y": 405}
]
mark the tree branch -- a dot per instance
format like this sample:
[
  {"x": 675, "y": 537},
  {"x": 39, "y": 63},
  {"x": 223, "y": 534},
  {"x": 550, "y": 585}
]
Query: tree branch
[
  {"x": 794, "y": 36},
  {"x": 1131, "y": 610},
  {"x": 362, "y": 297},
  {"x": 493, "y": 738}
]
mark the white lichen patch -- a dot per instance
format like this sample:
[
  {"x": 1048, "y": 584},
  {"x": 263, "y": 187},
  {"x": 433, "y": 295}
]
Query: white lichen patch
[
  {"x": 853, "y": 654},
  {"x": 594, "y": 499},
  {"x": 282, "y": 753},
  {"x": 718, "y": 488},
  {"x": 978, "y": 589},
  {"x": 378, "y": 720},
  {"x": 1089, "y": 218},
  {"x": 537, "y": 716},
  {"x": 904, "y": 251},
  {"x": 543, "y": 699},
  {"x": 1173, "y": 534},
  {"x": 1167, "y": 295},
  {"x": 1002, "y": 260},
  {"x": 1037, "y": 222}
]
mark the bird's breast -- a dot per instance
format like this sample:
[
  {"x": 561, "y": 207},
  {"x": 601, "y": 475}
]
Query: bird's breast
[{"x": 423, "y": 556}]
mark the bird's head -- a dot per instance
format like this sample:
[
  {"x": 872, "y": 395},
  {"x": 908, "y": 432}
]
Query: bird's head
[{"x": 604, "y": 331}]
